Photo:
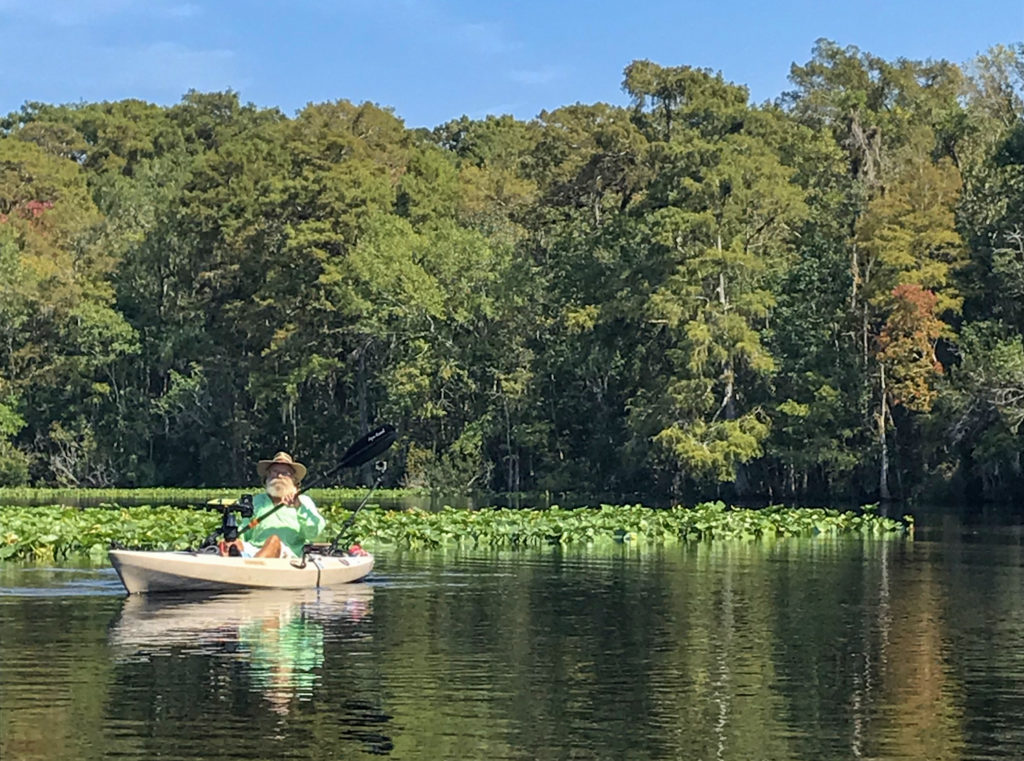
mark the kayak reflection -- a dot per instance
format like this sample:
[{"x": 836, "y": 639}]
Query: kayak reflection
[{"x": 278, "y": 634}]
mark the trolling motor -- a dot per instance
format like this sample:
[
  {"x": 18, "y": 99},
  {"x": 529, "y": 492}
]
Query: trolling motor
[{"x": 230, "y": 543}]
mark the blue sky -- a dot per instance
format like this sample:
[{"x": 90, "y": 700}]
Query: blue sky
[{"x": 434, "y": 60}]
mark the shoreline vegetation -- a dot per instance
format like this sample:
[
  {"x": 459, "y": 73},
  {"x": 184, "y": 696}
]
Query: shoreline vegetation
[
  {"x": 58, "y": 532},
  {"x": 690, "y": 296}
]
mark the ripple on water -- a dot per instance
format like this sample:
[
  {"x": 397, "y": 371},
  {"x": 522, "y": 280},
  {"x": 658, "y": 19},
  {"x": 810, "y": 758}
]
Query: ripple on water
[{"x": 18, "y": 580}]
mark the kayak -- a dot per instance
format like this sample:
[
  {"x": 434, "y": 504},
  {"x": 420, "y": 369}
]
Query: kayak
[{"x": 188, "y": 571}]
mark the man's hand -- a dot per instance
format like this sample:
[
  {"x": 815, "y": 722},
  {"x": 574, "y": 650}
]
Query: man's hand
[{"x": 291, "y": 497}]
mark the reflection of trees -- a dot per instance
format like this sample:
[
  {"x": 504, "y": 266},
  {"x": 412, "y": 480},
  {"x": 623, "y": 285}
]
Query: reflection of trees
[
  {"x": 660, "y": 654},
  {"x": 722, "y": 653},
  {"x": 773, "y": 650},
  {"x": 54, "y": 677},
  {"x": 865, "y": 662},
  {"x": 724, "y": 650},
  {"x": 925, "y": 716}
]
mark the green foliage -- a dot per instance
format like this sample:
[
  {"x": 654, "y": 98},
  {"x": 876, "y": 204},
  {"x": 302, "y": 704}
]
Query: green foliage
[
  {"x": 682, "y": 295},
  {"x": 93, "y": 497},
  {"x": 611, "y": 523},
  {"x": 679, "y": 98},
  {"x": 720, "y": 212},
  {"x": 984, "y": 402},
  {"x": 712, "y": 451},
  {"x": 10, "y": 421},
  {"x": 459, "y": 468},
  {"x": 14, "y": 465},
  {"x": 58, "y": 532}
]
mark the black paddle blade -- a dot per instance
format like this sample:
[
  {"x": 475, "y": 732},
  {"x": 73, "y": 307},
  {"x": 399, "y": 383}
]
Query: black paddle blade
[{"x": 372, "y": 444}]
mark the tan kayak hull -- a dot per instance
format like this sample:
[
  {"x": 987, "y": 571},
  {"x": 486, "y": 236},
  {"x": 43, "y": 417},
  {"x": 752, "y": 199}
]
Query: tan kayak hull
[{"x": 144, "y": 572}]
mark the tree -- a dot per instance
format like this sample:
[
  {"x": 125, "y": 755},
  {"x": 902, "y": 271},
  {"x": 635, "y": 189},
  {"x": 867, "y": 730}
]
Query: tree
[
  {"x": 720, "y": 212},
  {"x": 60, "y": 335},
  {"x": 897, "y": 123},
  {"x": 984, "y": 406}
]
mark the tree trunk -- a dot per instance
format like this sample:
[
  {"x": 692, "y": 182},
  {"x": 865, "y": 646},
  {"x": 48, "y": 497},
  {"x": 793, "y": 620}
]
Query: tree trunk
[
  {"x": 864, "y": 335},
  {"x": 512, "y": 469},
  {"x": 364, "y": 410},
  {"x": 854, "y": 276},
  {"x": 741, "y": 482},
  {"x": 883, "y": 470}
]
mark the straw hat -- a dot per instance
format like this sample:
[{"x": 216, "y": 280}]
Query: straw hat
[{"x": 281, "y": 458}]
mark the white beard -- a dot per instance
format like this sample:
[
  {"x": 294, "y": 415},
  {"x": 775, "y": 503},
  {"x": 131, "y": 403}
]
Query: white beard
[{"x": 277, "y": 487}]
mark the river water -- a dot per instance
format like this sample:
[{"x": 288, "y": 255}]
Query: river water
[{"x": 787, "y": 649}]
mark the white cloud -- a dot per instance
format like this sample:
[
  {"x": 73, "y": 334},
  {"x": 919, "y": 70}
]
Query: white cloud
[
  {"x": 85, "y": 12},
  {"x": 179, "y": 10},
  {"x": 541, "y": 76},
  {"x": 433, "y": 20},
  {"x": 168, "y": 67},
  {"x": 486, "y": 37},
  {"x": 160, "y": 72}
]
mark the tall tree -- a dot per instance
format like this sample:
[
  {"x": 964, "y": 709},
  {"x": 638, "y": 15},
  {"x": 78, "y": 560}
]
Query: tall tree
[
  {"x": 61, "y": 335},
  {"x": 720, "y": 212}
]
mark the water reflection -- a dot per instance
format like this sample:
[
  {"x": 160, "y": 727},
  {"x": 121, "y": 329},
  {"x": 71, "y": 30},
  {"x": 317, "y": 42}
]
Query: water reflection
[
  {"x": 277, "y": 634},
  {"x": 779, "y": 651}
]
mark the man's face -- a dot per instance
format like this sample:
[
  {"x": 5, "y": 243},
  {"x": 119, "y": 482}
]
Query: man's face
[{"x": 279, "y": 475}]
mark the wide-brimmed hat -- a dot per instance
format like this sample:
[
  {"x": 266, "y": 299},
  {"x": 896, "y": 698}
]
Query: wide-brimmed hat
[{"x": 282, "y": 458}]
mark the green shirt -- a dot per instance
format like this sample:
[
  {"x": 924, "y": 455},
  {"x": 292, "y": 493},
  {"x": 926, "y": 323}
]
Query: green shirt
[{"x": 295, "y": 526}]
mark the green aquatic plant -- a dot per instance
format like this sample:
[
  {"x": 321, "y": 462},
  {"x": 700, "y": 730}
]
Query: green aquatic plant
[
  {"x": 57, "y": 532},
  {"x": 608, "y": 523}
]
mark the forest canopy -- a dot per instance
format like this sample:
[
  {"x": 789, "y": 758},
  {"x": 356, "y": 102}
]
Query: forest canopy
[{"x": 821, "y": 296}]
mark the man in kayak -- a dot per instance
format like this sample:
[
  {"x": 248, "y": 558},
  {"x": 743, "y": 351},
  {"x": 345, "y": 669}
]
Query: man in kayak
[{"x": 282, "y": 534}]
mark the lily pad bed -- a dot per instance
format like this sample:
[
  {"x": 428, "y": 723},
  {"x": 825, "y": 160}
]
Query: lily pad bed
[{"x": 54, "y": 531}]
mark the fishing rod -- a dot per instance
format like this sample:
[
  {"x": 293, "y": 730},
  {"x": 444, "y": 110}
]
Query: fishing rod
[{"x": 381, "y": 467}]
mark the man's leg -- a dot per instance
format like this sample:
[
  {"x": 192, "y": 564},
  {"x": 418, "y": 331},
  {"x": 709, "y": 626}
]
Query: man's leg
[{"x": 271, "y": 548}]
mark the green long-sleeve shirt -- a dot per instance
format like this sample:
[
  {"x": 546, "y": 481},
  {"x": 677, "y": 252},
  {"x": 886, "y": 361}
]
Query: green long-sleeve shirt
[{"x": 295, "y": 526}]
